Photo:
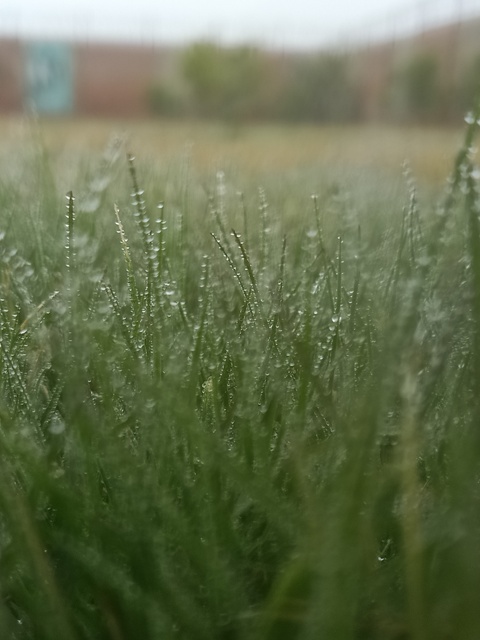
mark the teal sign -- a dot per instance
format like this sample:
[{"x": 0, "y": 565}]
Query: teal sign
[{"x": 49, "y": 77}]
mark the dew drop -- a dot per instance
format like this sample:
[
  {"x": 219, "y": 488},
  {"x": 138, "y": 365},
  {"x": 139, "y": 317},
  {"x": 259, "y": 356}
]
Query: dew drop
[{"x": 57, "y": 426}]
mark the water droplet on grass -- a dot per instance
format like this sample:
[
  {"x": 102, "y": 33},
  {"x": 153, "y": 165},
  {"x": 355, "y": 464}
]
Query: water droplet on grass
[{"x": 57, "y": 426}]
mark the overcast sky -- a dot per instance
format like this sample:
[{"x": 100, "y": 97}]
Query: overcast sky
[{"x": 304, "y": 23}]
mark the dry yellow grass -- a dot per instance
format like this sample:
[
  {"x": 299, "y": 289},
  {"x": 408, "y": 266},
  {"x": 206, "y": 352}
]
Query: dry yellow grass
[{"x": 259, "y": 148}]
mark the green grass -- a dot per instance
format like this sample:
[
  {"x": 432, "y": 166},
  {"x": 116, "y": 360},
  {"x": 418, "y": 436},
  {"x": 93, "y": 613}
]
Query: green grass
[{"x": 231, "y": 410}]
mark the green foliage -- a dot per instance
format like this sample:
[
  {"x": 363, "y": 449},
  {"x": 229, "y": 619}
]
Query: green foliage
[
  {"x": 419, "y": 87},
  {"x": 267, "y": 433},
  {"x": 242, "y": 82},
  {"x": 224, "y": 82},
  {"x": 246, "y": 83},
  {"x": 166, "y": 101},
  {"x": 470, "y": 84},
  {"x": 320, "y": 89}
]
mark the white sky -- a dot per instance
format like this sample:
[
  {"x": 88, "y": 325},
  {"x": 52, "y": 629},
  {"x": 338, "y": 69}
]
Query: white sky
[{"x": 286, "y": 23}]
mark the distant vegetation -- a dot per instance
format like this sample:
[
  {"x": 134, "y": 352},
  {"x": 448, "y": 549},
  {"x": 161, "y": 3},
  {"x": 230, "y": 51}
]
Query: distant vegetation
[
  {"x": 429, "y": 78},
  {"x": 412, "y": 83}
]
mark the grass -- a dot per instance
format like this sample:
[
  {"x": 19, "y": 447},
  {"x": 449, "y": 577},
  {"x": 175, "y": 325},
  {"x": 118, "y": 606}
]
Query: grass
[
  {"x": 238, "y": 412},
  {"x": 256, "y": 150}
]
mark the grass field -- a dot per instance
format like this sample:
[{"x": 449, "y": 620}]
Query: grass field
[
  {"x": 239, "y": 384},
  {"x": 260, "y": 149}
]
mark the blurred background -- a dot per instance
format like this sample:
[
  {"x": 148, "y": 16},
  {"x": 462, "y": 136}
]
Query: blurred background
[{"x": 390, "y": 61}]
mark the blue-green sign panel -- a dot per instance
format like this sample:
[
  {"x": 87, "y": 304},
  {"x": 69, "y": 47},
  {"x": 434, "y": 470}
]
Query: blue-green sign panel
[{"x": 49, "y": 77}]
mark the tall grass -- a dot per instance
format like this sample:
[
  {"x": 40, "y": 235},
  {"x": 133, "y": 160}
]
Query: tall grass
[{"x": 221, "y": 419}]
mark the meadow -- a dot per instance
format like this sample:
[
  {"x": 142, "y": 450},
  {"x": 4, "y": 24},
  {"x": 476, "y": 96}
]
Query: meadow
[{"x": 239, "y": 383}]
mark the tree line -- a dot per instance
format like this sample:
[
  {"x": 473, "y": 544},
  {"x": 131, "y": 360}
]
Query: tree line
[{"x": 249, "y": 84}]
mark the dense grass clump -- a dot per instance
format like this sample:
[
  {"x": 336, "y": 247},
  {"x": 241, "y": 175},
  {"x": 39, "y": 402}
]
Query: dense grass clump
[{"x": 238, "y": 416}]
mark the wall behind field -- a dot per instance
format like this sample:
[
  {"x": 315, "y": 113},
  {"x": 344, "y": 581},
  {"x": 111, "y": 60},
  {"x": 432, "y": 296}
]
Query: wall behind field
[
  {"x": 430, "y": 76},
  {"x": 11, "y": 76},
  {"x": 90, "y": 79}
]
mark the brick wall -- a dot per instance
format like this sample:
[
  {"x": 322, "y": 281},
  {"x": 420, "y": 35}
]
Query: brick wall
[
  {"x": 109, "y": 79},
  {"x": 11, "y": 76},
  {"x": 113, "y": 80}
]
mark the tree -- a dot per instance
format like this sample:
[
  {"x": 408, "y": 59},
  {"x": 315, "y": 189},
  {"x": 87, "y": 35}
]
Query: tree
[
  {"x": 223, "y": 82},
  {"x": 419, "y": 87},
  {"x": 320, "y": 89},
  {"x": 470, "y": 85}
]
